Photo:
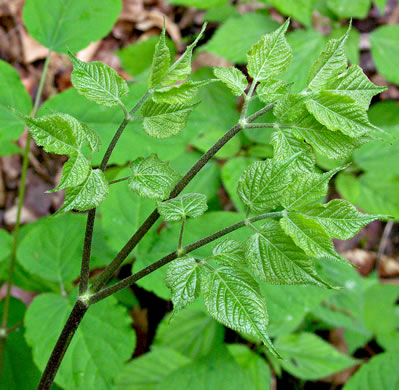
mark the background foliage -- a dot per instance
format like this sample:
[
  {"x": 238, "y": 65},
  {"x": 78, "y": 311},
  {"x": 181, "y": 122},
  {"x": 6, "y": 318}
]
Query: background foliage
[{"x": 324, "y": 335}]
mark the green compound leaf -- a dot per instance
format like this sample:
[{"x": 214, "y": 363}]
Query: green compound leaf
[
  {"x": 339, "y": 113},
  {"x": 309, "y": 236},
  {"x": 262, "y": 184},
  {"x": 59, "y": 25},
  {"x": 87, "y": 195},
  {"x": 271, "y": 90},
  {"x": 183, "y": 280},
  {"x": 300, "y": 10},
  {"x": 309, "y": 357},
  {"x": 188, "y": 205},
  {"x": 233, "y": 298},
  {"x": 270, "y": 56},
  {"x": 182, "y": 67},
  {"x": 74, "y": 172},
  {"x": 233, "y": 78},
  {"x": 291, "y": 108},
  {"x": 192, "y": 332},
  {"x": 179, "y": 94},
  {"x": 229, "y": 253},
  {"x": 286, "y": 145},
  {"x": 339, "y": 218},
  {"x": 110, "y": 322},
  {"x": 307, "y": 188},
  {"x": 163, "y": 120},
  {"x": 98, "y": 82},
  {"x": 274, "y": 258},
  {"x": 160, "y": 61},
  {"x": 380, "y": 372},
  {"x": 332, "y": 144},
  {"x": 356, "y": 9},
  {"x": 146, "y": 371},
  {"x": 57, "y": 133},
  {"x": 331, "y": 62},
  {"x": 152, "y": 178},
  {"x": 355, "y": 84}
]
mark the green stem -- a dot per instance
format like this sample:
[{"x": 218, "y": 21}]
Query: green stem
[
  {"x": 266, "y": 125},
  {"x": 174, "y": 255},
  {"x": 21, "y": 196},
  {"x": 181, "y": 233},
  {"x": 107, "y": 274},
  {"x": 91, "y": 216},
  {"x": 119, "y": 180}
]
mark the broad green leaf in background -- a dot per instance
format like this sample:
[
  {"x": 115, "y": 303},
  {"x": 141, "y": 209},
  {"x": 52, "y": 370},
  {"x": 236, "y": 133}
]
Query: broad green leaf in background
[
  {"x": 307, "y": 356},
  {"x": 300, "y": 10},
  {"x": 57, "y": 133},
  {"x": 188, "y": 205},
  {"x": 353, "y": 9},
  {"x": 152, "y": 178},
  {"x": 270, "y": 56},
  {"x": 207, "y": 180},
  {"x": 274, "y": 258},
  {"x": 385, "y": 51},
  {"x": 183, "y": 279},
  {"x": 220, "y": 13},
  {"x": 87, "y": 195},
  {"x": 262, "y": 184},
  {"x": 380, "y": 372},
  {"x": 288, "y": 305},
  {"x": 217, "y": 370},
  {"x": 74, "y": 172},
  {"x": 339, "y": 218},
  {"x": 233, "y": 78},
  {"x": 373, "y": 192},
  {"x": 286, "y": 145},
  {"x": 162, "y": 120},
  {"x": 137, "y": 58},
  {"x": 122, "y": 214},
  {"x": 339, "y": 113},
  {"x": 307, "y": 188},
  {"x": 17, "y": 356},
  {"x": 355, "y": 84},
  {"x": 256, "y": 367},
  {"x": 106, "y": 320},
  {"x": 51, "y": 248},
  {"x": 330, "y": 63},
  {"x": 98, "y": 82},
  {"x": 191, "y": 332},
  {"x": 234, "y": 38},
  {"x": 229, "y": 252},
  {"x": 12, "y": 94},
  {"x": 160, "y": 61},
  {"x": 271, "y": 90},
  {"x": 382, "y": 156},
  {"x": 146, "y": 371},
  {"x": 182, "y": 67},
  {"x": 233, "y": 298},
  {"x": 306, "y": 46},
  {"x": 179, "y": 94},
  {"x": 73, "y": 25},
  {"x": 5, "y": 244},
  {"x": 309, "y": 236},
  {"x": 332, "y": 144}
]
